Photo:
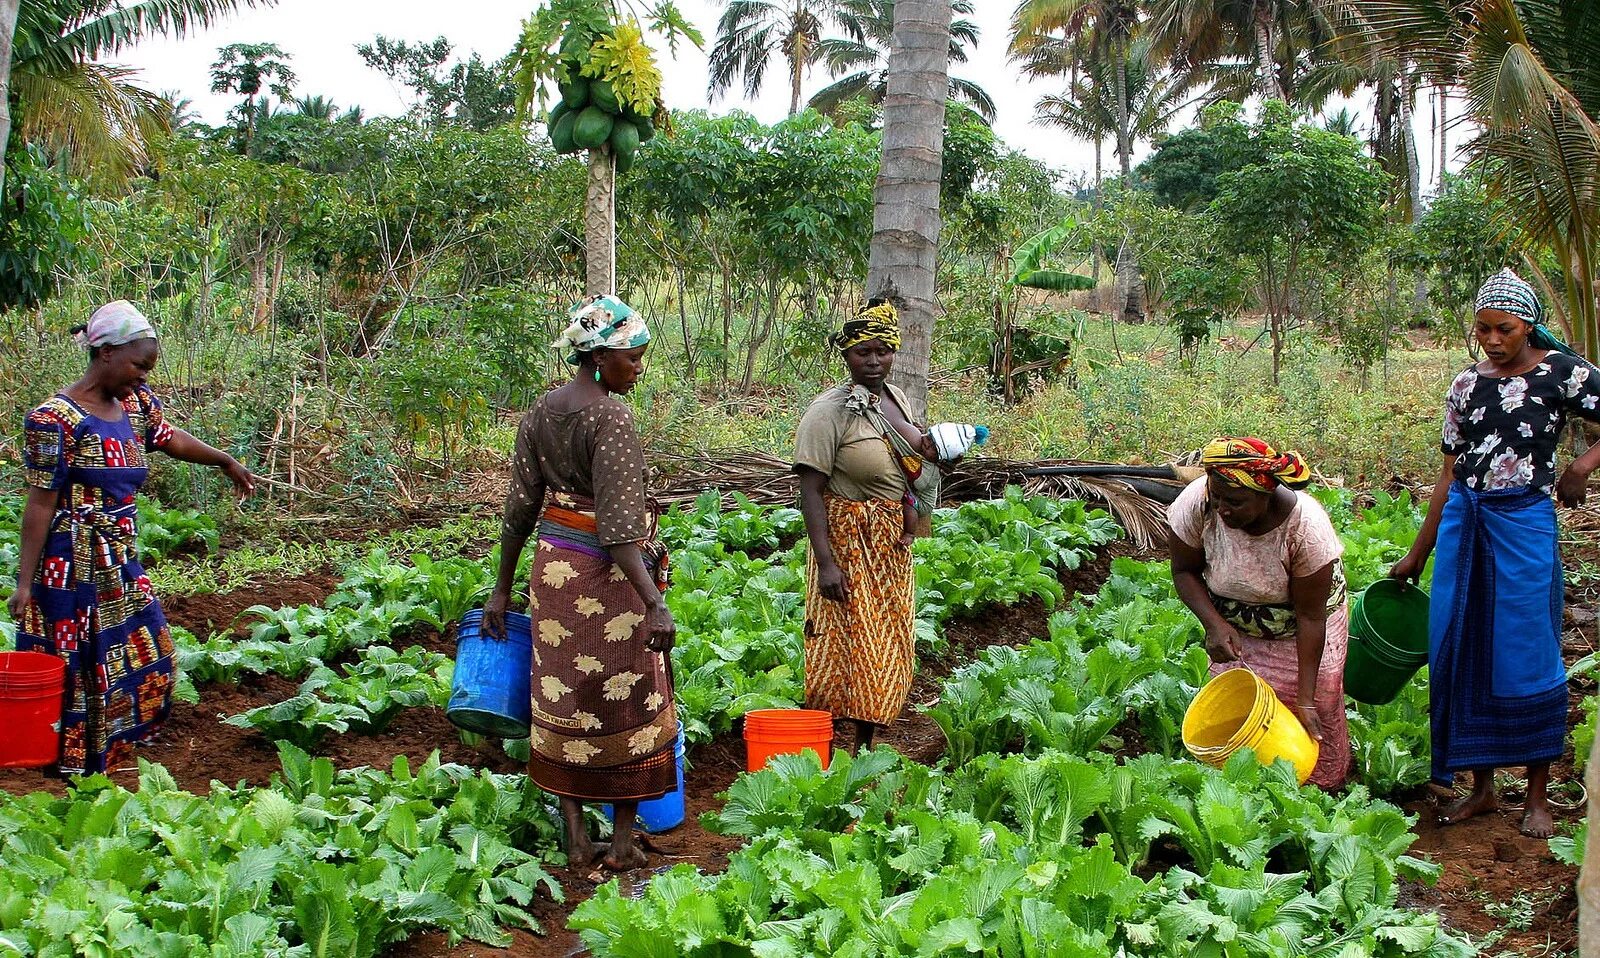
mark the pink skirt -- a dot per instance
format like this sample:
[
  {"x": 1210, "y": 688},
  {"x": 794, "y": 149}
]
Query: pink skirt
[{"x": 1277, "y": 661}]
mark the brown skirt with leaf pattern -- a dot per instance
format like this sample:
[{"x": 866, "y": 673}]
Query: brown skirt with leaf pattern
[{"x": 604, "y": 724}]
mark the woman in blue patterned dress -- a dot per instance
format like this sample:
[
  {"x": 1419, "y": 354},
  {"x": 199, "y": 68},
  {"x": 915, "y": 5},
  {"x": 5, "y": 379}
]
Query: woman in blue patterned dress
[{"x": 81, "y": 592}]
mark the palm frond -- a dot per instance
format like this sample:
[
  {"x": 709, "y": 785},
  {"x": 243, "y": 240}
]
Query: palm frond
[{"x": 93, "y": 116}]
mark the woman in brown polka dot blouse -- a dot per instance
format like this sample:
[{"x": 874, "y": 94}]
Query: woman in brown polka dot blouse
[{"x": 604, "y": 724}]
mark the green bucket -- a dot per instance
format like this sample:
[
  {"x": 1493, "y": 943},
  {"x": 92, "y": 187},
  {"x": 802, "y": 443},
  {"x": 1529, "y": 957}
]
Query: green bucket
[{"x": 1388, "y": 640}]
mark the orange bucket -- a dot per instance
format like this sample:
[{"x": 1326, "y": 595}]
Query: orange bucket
[
  {"x": 31, "y": 687},
  {"x": 769, "y": 732}
]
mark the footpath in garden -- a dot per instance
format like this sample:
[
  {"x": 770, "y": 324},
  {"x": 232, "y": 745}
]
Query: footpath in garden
[{"x": 1030, "y": 725}]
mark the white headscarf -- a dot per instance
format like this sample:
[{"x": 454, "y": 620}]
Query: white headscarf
[{"x": 115, "y": 324}]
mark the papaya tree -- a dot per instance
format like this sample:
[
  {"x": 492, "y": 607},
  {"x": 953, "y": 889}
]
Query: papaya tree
[{"x": 588, "y": 61}]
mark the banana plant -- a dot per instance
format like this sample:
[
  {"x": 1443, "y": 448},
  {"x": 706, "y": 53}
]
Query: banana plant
[{"x": 1027, "y": 263}]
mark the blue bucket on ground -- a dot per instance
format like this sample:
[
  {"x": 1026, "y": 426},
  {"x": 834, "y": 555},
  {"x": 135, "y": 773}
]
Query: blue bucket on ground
[
  {"x": 666, "y": 812},
  {"x": 489, "y": 693}
]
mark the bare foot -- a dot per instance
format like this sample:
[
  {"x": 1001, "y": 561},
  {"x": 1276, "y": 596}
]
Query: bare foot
[
  {"x": 1537, "y": 823},
  {"x": 1478, "y": 803},
  {"x": 624, "y": 860}
]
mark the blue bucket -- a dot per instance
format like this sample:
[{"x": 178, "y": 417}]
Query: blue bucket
[
  {"x": 489, "y": 694},
  {"x": 666, "y": 812}
]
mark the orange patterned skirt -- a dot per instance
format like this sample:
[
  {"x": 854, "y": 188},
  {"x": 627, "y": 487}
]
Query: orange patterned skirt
[{"x": 859, "y": 654}]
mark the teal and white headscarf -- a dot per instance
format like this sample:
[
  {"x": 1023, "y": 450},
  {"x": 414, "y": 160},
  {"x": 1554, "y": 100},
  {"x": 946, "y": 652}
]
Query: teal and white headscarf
[
  {"x": 601, "y": 322},
  {"x": 1510, "y": 293}
]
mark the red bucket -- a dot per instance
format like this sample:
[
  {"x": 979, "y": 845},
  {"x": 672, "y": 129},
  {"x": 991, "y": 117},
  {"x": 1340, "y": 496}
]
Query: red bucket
[
  {"x": 769, "y": 732},
  {"x": 31, "y": 686}
]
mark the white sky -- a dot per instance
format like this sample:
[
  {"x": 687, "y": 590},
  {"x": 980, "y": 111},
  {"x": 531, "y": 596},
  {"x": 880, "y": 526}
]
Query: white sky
[{"x": 321, "y": 36}]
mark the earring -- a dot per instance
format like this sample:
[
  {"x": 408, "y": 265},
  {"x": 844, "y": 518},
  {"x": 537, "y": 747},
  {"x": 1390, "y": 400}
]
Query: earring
[{"x": 597, "y": 375}]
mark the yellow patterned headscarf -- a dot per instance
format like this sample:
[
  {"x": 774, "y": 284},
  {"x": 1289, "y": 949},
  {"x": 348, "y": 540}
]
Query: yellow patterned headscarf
[
  {"x": 1252, "y": 464},
  {"x": 873, "y": 322}
]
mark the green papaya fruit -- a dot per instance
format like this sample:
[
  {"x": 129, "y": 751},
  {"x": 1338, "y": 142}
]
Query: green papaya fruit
[
  {"x": 561, "y": 133},
  {"x": 556, "y": 113},
  {"x": 624, "y": 137},
  {"x": 575, "y": 94},
  {"x": 625, "y": 160},
  {"x": 647, "y": 130},
  {"x": 603, "y": 95},
  {"x": 593, "y": 127}
]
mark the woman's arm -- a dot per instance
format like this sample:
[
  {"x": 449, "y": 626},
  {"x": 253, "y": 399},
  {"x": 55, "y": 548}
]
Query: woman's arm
[
  {"x": 186, "y": 447},
  {"x": 512, "y": 541},
  {"x": 1411, "y": 566},
  {"x": 660, "y": 630},
  {"x": 830, "y": 578},
  {"x": 1573, "y": 487},
  {"x": 36, "y": 515},
  {"x": 1310, "y": 593},
  {"x": 1188, "y": 562}
]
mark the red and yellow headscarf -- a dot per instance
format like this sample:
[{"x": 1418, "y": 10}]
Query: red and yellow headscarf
[{"x": 1252, "y": 464}]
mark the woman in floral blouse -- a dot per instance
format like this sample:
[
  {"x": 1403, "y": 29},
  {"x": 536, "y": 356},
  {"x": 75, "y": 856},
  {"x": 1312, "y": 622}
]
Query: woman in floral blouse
[{"x": 1499, "y": 693}]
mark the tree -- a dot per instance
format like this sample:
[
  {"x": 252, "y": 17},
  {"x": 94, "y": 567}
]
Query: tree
[
  {"x": 8, "y": 29},
  {"x": 903, "y": 256},
  {"x": 246, "y": 68},
  {"x": 88, "y": 111},
  {"x": 1531, "y": 83},
  {"x": 1248, "y": 46},
  {"x": 752, "y": 32},
  {"x": 857, "y": 59},
  {"x": 1053, "y": 38},
  {"x": 1302, "y": 197},
  {"x": 469, "y": 92},
  {"x": 568, "y": 40}
]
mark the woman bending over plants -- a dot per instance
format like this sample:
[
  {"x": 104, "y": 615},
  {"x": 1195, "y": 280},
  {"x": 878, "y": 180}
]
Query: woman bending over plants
[
  {"x": 81, "y": 591},
  {"x": 1498, "y": 687},
  {"x": 1260, "y": 565}
]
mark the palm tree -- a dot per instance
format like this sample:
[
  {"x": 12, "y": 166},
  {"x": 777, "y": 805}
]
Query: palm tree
[
  {"x": 246, "y": 68},
  {"x": 1530, "y": 74},
  {"x": 861, "y": 54},
  {"x": 903, "y": 255},
  {"x": 752, "y": 32},
  {"x": 316, "y": 107},
  {"x": 89, "y": 112},
  {"x": 1252, "y": 46}
]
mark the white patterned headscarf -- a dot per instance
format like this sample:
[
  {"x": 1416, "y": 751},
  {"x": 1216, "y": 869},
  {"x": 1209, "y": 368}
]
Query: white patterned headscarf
[
  {"x": 1510, "y": 293},
  {"x": 115, "y": 324},
  {"x": 601, "y": 322}
]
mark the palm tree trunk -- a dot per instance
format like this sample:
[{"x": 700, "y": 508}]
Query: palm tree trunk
[
  {"x": 1094, "y": 247},
  {"x": 1129, "y": 297},
  {"x": 1267, "y": 46},
  {"x": 8, "y": 27},
  {"x": 1444, "y": 131},
  {"x": 1408, "y": 143},
  {"x": 797, "y": 68},
  {"x": 903, "y": 256},
  {"x": 600, "y": 225}
]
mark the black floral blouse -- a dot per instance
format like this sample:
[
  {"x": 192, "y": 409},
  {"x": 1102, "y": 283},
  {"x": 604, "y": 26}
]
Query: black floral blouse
[{"x": 1504, "y": 430}]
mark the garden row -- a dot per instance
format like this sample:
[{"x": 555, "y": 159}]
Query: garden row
[{"x": 1035, "y": 838}]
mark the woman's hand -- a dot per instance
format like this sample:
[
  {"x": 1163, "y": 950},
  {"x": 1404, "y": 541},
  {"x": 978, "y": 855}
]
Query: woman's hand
[
  {"x": 494, "y": 614},
  {"x": 244, "y": 481},
  {"x": 1222, "y": 643},
  {"x": 660, "y": 631},
  {"x": 1573, "y": 486},
  {"x": 1307, "y": 714},
  {"x": 19, "y": 600},
  {"x": 1410, "y": 567},
  {"x": 831, "y": 582}
]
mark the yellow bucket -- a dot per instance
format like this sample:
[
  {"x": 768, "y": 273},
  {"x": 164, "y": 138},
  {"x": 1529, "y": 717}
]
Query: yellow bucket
[{"x": 1238, "y": 710}]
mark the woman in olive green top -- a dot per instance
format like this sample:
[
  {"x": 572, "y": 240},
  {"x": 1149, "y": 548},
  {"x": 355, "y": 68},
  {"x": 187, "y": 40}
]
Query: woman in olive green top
[{"x": 860, "y": 593}]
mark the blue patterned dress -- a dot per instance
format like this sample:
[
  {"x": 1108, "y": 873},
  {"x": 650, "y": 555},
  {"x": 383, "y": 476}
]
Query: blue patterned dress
[{"x": 92, "y": 604}]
